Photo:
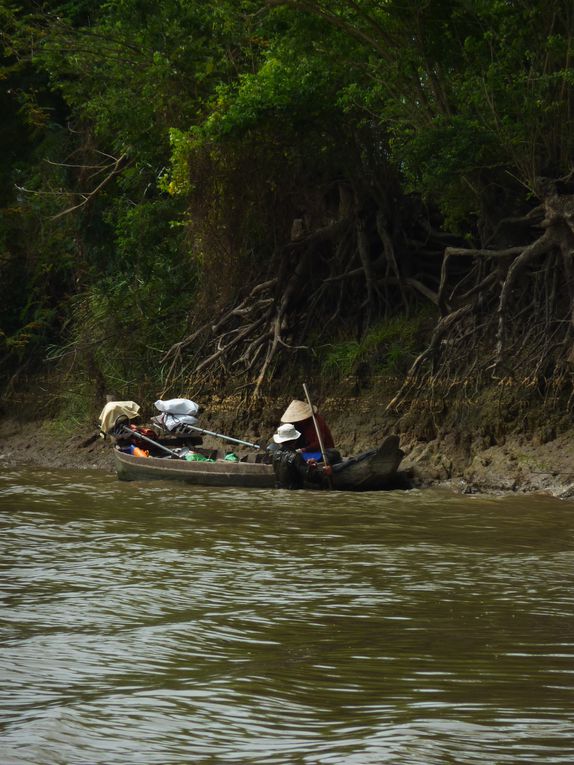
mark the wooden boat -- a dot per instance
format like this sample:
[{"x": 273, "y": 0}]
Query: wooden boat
[
  {"x": 371, "y": 471},
  {"x": 219, "y": 473},
  {"x": 374, "y": 470}
]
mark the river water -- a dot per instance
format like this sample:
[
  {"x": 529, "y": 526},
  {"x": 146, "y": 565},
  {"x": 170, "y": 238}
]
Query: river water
[{"x": 162, "y": 625}]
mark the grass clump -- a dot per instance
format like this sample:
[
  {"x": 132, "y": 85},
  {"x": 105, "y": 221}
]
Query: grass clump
[{"x": 388, "y": 347}]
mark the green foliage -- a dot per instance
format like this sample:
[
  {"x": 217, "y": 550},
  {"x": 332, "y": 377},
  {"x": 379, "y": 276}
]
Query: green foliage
[
  {"x": 445, "y": 163},
  {"x": 388, "y": 347},
  {"x": 186, "y": 137},
  {"x": 342, "y": 359},
  {"x": 508, "y": 110},
  {"x": 285, "y": 90},
  {"x": 123, "y": 323},
  {"x": 72, "y": 407},
  {"x": 121, "y": 255},
  {"x": 472, "y": 95}
]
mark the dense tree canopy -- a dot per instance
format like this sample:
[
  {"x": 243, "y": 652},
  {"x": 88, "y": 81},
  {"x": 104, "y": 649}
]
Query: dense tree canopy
[{"x": 200, "y": 192}]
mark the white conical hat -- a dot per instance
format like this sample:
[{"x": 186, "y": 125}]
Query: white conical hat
[{"x": 297, "y": 411}]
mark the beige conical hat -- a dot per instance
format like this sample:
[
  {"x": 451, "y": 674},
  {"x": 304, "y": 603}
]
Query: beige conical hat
[{"x": 297, "y": 411}]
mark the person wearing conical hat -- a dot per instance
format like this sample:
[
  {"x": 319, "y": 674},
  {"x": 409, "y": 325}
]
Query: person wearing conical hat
[{"x": 299, "y": 413}]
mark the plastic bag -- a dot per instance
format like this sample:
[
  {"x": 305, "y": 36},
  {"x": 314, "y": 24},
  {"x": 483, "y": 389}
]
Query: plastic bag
[
  {"x": 195, "y": 457},
  {"x": 177, "y": 406}
]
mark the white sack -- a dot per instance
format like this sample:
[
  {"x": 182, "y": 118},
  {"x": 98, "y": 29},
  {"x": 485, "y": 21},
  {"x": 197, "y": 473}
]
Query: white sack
[{"x": 177, "y": 406}]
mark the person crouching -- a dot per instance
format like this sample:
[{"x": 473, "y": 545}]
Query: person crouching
[{"x": 291, "y": 470}]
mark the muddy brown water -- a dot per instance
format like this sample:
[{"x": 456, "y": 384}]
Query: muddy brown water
[{"x": 156, "y": 624}]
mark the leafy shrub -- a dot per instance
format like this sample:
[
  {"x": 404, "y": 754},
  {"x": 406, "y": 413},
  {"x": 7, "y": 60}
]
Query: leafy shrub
[{"x": 388, "y": 347}]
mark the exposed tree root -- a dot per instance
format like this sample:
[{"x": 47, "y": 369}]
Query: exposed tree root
[
  {"x": 524, "y": 302},
  {"x": 502, "y": 312}
]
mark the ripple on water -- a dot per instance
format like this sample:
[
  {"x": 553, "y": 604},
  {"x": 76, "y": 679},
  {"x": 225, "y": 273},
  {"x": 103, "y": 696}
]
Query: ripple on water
[{"x": 159, "y": 624}]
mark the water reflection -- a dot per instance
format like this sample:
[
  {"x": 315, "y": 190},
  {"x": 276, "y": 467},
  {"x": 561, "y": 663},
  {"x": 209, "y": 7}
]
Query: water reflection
[{"x": 153, "y": 624}]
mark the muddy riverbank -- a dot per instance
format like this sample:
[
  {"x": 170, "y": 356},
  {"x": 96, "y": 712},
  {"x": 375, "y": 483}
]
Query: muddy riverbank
[{"x": 466, "y": 463}]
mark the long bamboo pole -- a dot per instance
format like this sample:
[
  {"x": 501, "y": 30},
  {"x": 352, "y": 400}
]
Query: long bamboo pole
[{"x": 319, "y": 437}]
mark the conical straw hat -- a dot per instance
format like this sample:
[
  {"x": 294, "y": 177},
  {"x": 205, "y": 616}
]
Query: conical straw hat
[{"x": 297, "y": 411}]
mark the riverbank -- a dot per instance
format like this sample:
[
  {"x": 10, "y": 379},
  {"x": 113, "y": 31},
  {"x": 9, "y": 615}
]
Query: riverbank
[{"x": 511, "y": 463}]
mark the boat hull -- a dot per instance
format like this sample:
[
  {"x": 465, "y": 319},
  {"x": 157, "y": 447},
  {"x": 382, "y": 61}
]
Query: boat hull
[
  {"x": 221, "y": 473},
  {"x": 373, "y": 471}
]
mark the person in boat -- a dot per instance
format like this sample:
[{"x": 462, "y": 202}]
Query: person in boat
[
  {"x": 291, "y": 470},
  {"x": 300, "y": 414}
]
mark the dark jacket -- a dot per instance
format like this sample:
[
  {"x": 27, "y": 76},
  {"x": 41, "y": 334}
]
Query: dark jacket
[
  {"x": 291, "y": 470},
  {"x": 309, "y": 442}
]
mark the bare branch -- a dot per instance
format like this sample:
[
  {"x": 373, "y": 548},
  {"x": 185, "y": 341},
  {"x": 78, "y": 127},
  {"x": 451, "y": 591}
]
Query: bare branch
[
  {"x": 90, "y": 195},
  {"x": 457, "y": 252}
]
